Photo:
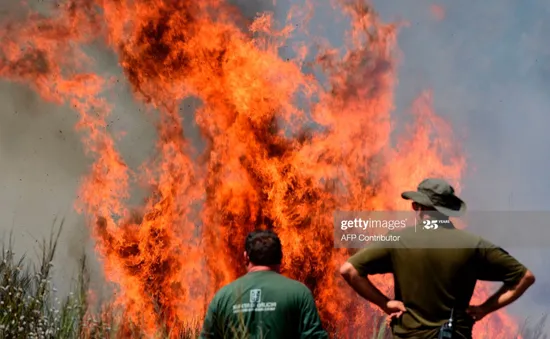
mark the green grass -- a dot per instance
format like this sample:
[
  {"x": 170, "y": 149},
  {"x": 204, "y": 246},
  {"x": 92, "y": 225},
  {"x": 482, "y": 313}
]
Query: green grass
[{"x": 30, "y": 308}]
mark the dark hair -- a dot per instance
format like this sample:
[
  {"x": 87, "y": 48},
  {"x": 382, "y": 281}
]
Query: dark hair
[{"x": 264, "y": 248}]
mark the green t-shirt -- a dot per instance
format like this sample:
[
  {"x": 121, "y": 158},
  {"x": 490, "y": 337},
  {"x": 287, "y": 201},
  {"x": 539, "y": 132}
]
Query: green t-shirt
[
  {"x": 263, "y": 305},
  {"x": 435, "y": 271}
]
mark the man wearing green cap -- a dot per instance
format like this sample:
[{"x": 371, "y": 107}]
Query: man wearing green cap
[{"x": 435, "y": 271}]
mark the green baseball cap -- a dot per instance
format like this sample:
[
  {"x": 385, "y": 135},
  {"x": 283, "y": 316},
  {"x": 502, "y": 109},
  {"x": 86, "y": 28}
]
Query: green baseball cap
[{"x": 437, "y": 193}]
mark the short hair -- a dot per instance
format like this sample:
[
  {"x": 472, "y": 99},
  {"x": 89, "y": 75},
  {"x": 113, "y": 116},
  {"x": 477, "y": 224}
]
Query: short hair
[{"x": 264, "y": 248}]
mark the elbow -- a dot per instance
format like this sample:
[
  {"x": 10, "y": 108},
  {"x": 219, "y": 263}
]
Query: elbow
[
  {"x": 529, "y": 278},
  {"x": 347, "y": 270}
]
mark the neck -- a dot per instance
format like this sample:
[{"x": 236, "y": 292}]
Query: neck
[{"x": 258, "y": 268}]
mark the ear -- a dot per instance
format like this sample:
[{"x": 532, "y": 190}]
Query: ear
[{"x": 246, "y": 257}]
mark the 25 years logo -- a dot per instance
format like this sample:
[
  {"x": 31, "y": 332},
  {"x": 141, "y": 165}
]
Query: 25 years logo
[{"x": 430, "y": 224}]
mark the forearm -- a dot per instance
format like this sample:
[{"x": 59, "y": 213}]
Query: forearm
[
  {"x": 364, "y": 287},
  {"x": 507, "y": 295}
]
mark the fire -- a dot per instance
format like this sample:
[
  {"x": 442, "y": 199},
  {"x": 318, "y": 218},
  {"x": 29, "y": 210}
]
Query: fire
[{"x": 284, "y": 148}]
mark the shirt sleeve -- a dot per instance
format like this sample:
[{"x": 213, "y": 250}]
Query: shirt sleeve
[
  {"x": 495, "y": 264},
  {"x": 310, "y": 322},
  {"x": 374, "y": 259},
  {"x": 211, "y": 324}
]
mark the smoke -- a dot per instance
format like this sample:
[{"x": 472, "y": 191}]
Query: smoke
[
  {"x": 250, "y": 8},
  {"x": 487, "y": 63},
  {"x": 43, "y": 162}
]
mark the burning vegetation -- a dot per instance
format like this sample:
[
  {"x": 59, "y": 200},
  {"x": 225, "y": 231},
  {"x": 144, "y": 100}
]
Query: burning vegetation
[{"x": 284, "y": 147}]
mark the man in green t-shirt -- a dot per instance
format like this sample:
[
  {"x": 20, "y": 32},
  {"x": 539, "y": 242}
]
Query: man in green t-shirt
[
  {"x": 263, "y": 304},
  {"x": 435, "y": 271}
]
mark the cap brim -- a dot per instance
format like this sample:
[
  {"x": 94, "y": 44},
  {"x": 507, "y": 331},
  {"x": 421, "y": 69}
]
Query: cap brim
[
  {"x": 453, "y": 212},
  {"x": 422, "y": 199},
  {"x": 417, "y": 197}
]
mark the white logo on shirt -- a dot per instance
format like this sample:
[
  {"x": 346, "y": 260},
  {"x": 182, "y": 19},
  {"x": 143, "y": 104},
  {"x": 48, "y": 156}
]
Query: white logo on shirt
[
  {"x": 255, "y": 296},
  {"x": 255, "y": 304}
]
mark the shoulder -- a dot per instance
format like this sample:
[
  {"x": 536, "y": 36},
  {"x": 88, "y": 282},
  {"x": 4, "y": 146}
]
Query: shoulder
[
  {"x": 403, "y": 231},
  {"x": 478, "y": 241},
  {"x": 465, "y": 234},
  {"x": 294, "y": 286},
  {"x": 220, "y": 295},
  {"x": 292, "y": 283},
  {"x": 484, "y": 246},
  {"x": 227, "y": 291},
  {"x": 399, "y": 236}
]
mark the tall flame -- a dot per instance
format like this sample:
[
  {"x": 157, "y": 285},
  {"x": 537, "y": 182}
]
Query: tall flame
[{"x": 284, "y": 148}]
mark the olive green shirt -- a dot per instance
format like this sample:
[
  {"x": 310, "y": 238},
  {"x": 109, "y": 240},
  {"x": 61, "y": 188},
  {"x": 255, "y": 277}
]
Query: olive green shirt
[
  {"x": 263, "y": 305},
  {"x": 435, "y": 271}
]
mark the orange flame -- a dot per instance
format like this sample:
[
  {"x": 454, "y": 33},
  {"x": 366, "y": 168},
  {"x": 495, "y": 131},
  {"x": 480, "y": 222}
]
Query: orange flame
[{"x": 284, "y": 149}]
